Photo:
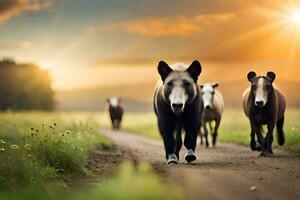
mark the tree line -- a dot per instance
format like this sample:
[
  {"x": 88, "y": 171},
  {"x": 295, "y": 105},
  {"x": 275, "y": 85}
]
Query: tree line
[{"x": 25, "y": 87}]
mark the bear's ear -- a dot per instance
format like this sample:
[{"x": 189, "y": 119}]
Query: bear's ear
[
  {"x": 271, "y": 76},
  {"x": 164, "y": 70},
  {"x": 107, "y": 100},
  {"x": 195, "y": 70},
  {"x": 251, "y": 75},
  {"x": 215, "y": 85}
]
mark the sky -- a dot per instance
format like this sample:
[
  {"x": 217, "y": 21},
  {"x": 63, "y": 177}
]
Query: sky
[{"x": 105, "y": 43}]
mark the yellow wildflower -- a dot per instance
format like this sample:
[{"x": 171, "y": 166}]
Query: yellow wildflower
[
  {"x": 27, "y": 146},
  {"x": 14, "y": 147},
  {"x": 29, "y": 155},
  {"x": 2, "y": 142},
  {"x": 2, "y": 149}
]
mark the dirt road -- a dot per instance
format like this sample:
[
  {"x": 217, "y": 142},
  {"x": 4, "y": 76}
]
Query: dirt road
[{"x": 227, "y": 172}]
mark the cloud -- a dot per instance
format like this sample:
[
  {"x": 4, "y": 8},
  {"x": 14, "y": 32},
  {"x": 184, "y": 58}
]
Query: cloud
[
  {"x": 178, "y": 26},
  {"x": 166, "y": 26},
  {"x": 214, "y": 18},
  {"x": 21, "y": 45},
  {"x": 12, "y": 8}
]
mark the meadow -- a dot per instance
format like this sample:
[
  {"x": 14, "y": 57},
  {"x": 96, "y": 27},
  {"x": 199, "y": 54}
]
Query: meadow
[
  {"x": 39, "y": 150},
  {"x": 234, "y": 127},
  {"x": 39, "y": 146}
]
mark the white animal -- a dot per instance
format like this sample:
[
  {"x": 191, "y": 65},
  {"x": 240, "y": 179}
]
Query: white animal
[{"x": 213, "y": 106}]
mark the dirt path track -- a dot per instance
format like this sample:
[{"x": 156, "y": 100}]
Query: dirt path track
[{"x": 227, "y": 172}]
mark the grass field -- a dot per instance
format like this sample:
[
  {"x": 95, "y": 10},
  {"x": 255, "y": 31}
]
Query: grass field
[
  {"x": 234, "y": 127},
  {"x": 39, "y": 150},
  {"x": 39, "y": 146}
]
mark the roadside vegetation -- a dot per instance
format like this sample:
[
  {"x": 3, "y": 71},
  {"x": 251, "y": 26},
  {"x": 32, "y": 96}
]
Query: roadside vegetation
[
  {"x": 36, "y": 147},
  {"x": 39, "y": 151}
]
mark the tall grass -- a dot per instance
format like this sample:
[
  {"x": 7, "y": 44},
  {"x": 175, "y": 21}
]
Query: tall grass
[{"x": 39, "y": 146}]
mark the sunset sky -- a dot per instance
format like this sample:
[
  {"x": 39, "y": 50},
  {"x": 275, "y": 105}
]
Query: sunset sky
[{"x": 103, "y": 42}]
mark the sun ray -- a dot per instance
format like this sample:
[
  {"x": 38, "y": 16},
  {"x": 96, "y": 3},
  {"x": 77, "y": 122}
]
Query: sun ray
[{"x": 294, "y": 18}]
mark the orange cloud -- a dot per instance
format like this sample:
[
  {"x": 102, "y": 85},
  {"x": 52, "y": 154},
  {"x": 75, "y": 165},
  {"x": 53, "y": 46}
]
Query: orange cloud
[
  {"x": 12, "y": 8},
  {"x": 178, "y": 26},
  {"x": 214, "y": 18},
  {"x": 175, "y": 26},
  {"x": 166, "y": 26}
]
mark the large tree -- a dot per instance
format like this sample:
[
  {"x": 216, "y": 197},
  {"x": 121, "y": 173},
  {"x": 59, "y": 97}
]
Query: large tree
[{"x": 24, "y": 87}]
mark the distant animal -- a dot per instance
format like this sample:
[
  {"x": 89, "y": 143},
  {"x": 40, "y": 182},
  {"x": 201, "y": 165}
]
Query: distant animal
[
  {"x": 115, "y": 111},
  {"x": 177, "y": 103},
  {"x": 213, "y": 106},
  {"x": 264, "y": 105}
]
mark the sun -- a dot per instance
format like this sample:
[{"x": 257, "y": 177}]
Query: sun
[{"x": 294, "y": 17}]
